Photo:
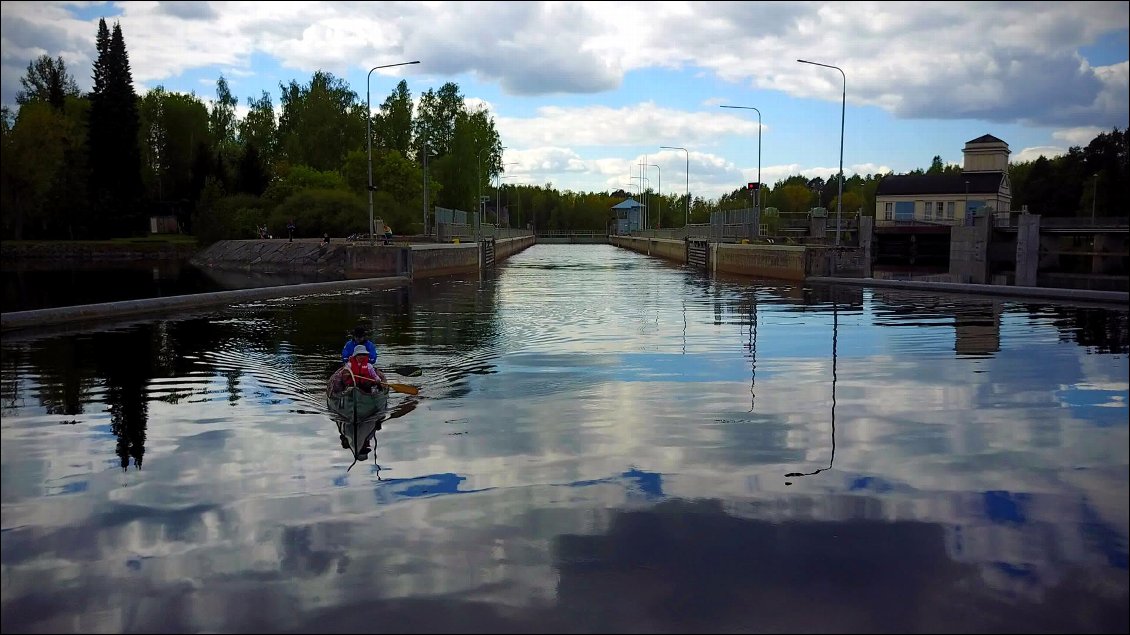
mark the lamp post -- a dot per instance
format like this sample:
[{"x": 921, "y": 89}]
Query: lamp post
[
  {"x": 843, "y": 108},
  {"x": 497, "y": 195},
  {"x": 642, "y": 179},
  {"x": 369, "y": 136},
  {"x": 501, "y": 185},
  {"x": 688, "y": 217},
  {"x": 1094, "y": 197},
  {"x": 480, "y": 163},
  {"x": 758, "y": 205},
  {"x": 659, "y": 219},
  {"x": 965, "y": 217},
  {"x": 426, "y": 150}
]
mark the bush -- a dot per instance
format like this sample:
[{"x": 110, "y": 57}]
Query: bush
[{"x": 318, "y": 211}]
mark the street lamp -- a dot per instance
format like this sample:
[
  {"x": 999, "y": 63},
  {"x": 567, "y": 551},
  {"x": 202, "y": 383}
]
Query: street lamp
[
  {"x": 659, "y": 220},
  {"x": 507, "y": 197},
  {"x": 427, "y": 152},
  {"x": 501, "y": 184},
  {"x": 843, "y": 108},
  {"x": 966, "y": 216},
  {"x": 1094, "y": 197},
  {"x": 480, "y": 163},
  {"x": 688, "y": 218},
  {"x": 369, "y": 135},
  {"x": 498, "y": 185},
  {"x": 643, "y": 208},
  {"x": 758, "y": 148}
]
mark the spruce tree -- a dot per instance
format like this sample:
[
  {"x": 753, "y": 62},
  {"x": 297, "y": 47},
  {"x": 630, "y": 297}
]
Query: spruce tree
[{"x": 115, "y": 156}]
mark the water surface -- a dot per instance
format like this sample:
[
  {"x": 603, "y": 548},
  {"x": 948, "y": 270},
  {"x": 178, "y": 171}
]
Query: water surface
[{"x": 603, "y": 442}]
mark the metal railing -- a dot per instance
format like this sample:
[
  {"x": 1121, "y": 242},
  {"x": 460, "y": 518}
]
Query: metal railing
[{"x": 566, "y": 233}]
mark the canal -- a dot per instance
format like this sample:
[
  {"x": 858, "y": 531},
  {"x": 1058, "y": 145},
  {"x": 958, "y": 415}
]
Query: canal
[{"x": 602, "y": 442}]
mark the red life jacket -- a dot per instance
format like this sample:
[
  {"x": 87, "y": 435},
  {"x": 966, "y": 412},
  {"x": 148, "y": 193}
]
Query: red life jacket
[{"x": 361, "y": 368}]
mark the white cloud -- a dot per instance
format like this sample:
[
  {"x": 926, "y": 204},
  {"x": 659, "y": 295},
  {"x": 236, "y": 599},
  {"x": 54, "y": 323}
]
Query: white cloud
[
  {"x": 642, "y": 124},
  {"x": 1077, "y": 136},
  {"x": 994, "y": 61},
  {"x": 1011, "y": 62},
  {"x": 1033, "y": 153}
]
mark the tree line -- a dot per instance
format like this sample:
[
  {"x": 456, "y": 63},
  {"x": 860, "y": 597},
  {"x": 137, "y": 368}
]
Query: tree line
[{"x": 100, "y": 164}]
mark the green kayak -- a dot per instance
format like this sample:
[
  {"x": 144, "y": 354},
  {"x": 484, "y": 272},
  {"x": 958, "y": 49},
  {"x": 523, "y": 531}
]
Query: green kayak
[{"x": 351, "y": 402}]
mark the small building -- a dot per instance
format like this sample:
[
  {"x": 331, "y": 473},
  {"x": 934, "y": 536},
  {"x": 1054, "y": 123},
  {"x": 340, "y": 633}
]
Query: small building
[
  {"x": 166, "y": 224},
  {"x": 628, "y": 214},
  {"x": 949, "y": 199}
]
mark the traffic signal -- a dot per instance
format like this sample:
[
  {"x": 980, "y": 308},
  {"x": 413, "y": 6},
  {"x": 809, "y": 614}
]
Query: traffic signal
[{"x": 753, "y": 186}]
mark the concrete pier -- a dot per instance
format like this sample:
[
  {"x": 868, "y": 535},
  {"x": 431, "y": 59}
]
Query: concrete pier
[
  {"x": 172, "y": 304},
  {"x": 1042, "y": 293}
]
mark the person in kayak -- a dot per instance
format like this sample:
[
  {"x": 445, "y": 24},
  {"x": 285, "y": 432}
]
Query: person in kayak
[
  {"x": 365, "y": 374},
  {"x": 360, "y": 338}
]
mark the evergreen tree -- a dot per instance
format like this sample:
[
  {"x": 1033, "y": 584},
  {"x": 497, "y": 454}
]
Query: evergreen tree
[{"x": 114, "y": 153}]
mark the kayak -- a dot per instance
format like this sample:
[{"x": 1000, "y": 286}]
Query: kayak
[
  {"x": 359, "y": 437},
  {"x": 351, "y": 402}
]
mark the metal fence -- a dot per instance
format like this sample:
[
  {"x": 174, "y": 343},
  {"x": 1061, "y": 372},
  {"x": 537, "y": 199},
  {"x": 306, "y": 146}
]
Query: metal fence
[{"x": 450, "y": 216}]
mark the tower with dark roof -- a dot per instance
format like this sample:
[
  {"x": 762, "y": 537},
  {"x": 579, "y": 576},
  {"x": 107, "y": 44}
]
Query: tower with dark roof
[{"x": 986, "y": 154}]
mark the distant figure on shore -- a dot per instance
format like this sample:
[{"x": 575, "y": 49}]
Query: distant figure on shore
[
  {"x": 290, "y": 229},
  {"x": 388, "y": 235},
  {"x": 326, "y": 239}
]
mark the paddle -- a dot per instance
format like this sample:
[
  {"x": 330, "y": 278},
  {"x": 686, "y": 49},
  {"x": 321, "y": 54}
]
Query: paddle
[{"x": 404, "y": 388}]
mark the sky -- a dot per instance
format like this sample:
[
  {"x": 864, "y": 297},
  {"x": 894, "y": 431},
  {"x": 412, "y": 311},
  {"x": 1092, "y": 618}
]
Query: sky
[{"x": 582, "y": 93}]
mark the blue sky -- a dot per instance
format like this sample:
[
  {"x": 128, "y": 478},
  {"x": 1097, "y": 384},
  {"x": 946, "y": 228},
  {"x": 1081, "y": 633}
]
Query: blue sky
[{"x": 582, "y": 92}]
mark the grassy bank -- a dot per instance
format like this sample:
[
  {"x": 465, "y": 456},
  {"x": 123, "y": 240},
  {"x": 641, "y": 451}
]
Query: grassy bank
[{"x": 147, "y": 247}]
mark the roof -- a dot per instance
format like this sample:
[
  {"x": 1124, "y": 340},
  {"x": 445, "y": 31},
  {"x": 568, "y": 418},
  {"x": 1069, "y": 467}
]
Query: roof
[
  {"x": 627, "y": 204},
  {"x": 987, "y": 138},
  {"x": 914, "y": 184}
]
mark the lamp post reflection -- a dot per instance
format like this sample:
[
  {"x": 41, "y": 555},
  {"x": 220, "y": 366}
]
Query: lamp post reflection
[
  {"x": 752, "y": 345},
  {"x": 835, "y": 342}
]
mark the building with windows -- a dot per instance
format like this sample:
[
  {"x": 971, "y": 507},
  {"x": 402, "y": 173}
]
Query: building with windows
[
  {"x": 949, "y": 199},
  {"x": 628, "y": 216}
]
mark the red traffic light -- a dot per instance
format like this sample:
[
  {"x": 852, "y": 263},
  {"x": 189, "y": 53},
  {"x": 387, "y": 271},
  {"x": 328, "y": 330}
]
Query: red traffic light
[{"x": 753, "y": 186}]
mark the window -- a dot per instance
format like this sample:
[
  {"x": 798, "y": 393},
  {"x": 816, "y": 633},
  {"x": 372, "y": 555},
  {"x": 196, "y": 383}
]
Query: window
[
  {"x": 949, "y": 210},
  {"x": 888, "y": 209},
  {"x": 938, "y": 210}
]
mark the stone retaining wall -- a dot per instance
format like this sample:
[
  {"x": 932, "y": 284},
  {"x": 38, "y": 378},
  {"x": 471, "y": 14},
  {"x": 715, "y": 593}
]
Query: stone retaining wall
[
  {"x": 352, "y": 261},
  {"x": 275, "y": 255}
]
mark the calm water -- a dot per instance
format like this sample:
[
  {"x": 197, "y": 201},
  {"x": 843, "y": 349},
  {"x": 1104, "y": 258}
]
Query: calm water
[{"x": 602, "y": 443}]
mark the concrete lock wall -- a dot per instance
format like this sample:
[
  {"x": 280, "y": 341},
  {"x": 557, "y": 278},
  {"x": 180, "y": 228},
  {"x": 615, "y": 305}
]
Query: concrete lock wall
[
  {"x": 660, "y": 247},
  {"x": 506, "y": 247},
  {"x": 784, "y": 262},
  {"x": 439, "y": 260},
  {"x": 364, "y": 261},
  {"x": 766, "y": 261},
  {"x": 969, "y": 251},
  {"x": 821, "y": 260},
  {"x": 352, "y": 261}
]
